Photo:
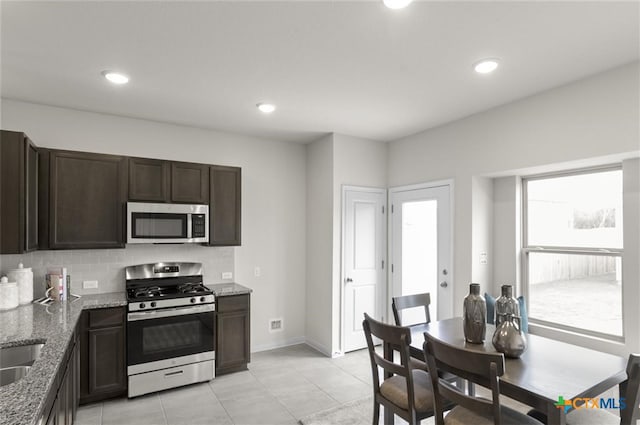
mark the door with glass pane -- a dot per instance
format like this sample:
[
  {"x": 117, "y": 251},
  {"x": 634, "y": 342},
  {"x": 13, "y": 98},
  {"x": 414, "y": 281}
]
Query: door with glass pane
[
  {"x": 363, "y": 255},
  {"x": 421, "y": 249}
]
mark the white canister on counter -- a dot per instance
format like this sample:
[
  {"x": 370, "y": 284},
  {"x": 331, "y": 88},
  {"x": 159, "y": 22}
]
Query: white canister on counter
[
  {"x": 24, "y": 278},
  {"x": 8, "y": 294}
]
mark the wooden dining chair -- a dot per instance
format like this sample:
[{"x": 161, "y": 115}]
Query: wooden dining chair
[
  {"x": 630, "y": 415},
  {"x": 412, "y": 301},
  {"x": 482, "y": 369},
  {"x": 404, "y": 391}
]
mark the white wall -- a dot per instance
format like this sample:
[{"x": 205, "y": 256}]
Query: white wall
[
  {"x": 356, "y": 162},
  {"x": 319, "y": 271},
  {"x": 482, "y": 236},
  {"x": 631, "y": 259},
  {"x": 332, "y": 162},
  {"x": 506, "y": 235},
  {"x": 273, "y": 196},
  {"x": 591, "y": 121}
]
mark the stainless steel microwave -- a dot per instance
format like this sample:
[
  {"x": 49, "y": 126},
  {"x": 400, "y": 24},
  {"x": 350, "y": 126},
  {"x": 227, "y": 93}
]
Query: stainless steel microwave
[{"x": 167, "y": 223}]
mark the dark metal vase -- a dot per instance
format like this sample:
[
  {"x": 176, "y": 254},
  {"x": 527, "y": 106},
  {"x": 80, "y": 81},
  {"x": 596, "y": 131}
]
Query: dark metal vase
[
  {"x": 474, "y": 315},
  {"x": 509, "y": 338}
]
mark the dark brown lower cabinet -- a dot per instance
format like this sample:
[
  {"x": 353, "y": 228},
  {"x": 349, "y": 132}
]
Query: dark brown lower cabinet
[
  {"x": 233, "y": 351},
  {"x": 102, "y": 351},
  {"x": 62, "y": 403}
]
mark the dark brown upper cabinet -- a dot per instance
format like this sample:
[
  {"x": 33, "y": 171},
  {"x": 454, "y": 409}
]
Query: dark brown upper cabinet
[
  {"x": 189, "y": 183},
  {"x": 18, "y": 193},
  {"x": 87, "y": 194},
  {"x": 154, "y": 180},
  {"x": 149, "y": 180},
  {"x": 224, "y": 209}
]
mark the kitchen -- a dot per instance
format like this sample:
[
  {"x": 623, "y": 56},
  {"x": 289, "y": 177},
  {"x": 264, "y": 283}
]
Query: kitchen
[{"x": 289, "y": 190}]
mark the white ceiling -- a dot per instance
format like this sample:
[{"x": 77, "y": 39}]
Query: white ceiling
[{"x": 355, "y": 68}]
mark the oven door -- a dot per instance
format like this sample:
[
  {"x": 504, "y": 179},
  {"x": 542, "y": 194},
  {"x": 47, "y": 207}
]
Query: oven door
[{"x": 163, "y": 338}]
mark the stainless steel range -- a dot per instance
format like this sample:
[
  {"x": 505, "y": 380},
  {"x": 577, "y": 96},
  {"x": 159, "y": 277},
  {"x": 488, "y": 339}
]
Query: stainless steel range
[{"x": 169, "y": 327}]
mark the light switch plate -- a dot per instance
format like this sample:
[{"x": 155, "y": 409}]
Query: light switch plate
[{"x": 227, "y": 275}]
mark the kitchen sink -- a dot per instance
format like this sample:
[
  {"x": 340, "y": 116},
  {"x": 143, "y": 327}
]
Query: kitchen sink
[
  {"x": 22, "y": 355},
  {"x": 9, "y": 375},
  {"x": 15, "y": 362}
]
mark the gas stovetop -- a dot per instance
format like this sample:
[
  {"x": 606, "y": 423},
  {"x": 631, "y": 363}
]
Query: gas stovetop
[
  {"x": 163, "y": 285},
  {"x": 154, "y": 292}
]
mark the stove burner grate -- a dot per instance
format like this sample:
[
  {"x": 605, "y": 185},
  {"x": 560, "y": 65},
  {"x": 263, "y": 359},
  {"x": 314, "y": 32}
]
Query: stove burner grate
[{"x": 153, "y": 291}]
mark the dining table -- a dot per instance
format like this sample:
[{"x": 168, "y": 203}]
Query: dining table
[{"x": 548, "y": 371}]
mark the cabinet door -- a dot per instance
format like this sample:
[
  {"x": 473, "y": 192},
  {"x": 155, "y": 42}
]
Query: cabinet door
[
  {"x": 18, "y": 193},
  {"x": 149, "y": 180},
  {"x": 106, "y": 360},
  {"x": 31, "y": 190},
  {"x": 63, "y": 401},
  {"x": 86, "y": 199},
  {"x": 189, "y": 183},
  {"x": 232, "y": 334},
  {"x": 53, "y": 415},
  {"x": 224, "y": 209}
]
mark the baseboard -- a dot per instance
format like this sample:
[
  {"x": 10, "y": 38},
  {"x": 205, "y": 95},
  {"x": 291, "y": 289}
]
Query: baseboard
[
  {"x": 318, "y": 347},
  {"x": 273, "y": 346}
]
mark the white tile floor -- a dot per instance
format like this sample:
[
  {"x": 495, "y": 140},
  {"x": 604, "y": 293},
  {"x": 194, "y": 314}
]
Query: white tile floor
[{"x": 280, "y": 387}]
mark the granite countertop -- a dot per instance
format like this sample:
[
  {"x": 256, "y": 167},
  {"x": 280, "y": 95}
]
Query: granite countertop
[
  {"x": 226, "y": 289},
  {"x": 22, "y": 402}
]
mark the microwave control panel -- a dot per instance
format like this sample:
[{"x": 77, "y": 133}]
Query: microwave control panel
[{"x": 198, "y": 226}]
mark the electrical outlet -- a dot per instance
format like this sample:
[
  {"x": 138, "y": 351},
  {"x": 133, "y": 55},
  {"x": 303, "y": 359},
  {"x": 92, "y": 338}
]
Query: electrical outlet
[
  {"x": 275, "y": 325},
  {"x": 227, "y": 275},
  {"x": 90, "y": 284},
  {"x": 257, "y": 271}
]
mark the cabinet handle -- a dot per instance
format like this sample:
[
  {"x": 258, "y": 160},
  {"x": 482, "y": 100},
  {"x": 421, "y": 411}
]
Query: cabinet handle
[{"x": 177, "y": 372}]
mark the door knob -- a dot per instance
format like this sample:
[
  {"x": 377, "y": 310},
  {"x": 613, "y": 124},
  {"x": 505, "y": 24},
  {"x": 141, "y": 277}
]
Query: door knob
[
  {"x": 444, "y": 284},
  {"x": 349, "y": 280}
]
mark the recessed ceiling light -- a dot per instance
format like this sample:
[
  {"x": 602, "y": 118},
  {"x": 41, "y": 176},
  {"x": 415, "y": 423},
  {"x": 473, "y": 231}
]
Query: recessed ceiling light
[
  {"x": 485, "y": 66},
  {"x": 115, "y": 77},
  {"x": 266, "y": 108},
  {"x": 396, "y": 4}
]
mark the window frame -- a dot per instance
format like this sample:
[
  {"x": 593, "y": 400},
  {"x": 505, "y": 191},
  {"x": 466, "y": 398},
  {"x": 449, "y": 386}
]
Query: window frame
[{"x": 528, "y": 249}]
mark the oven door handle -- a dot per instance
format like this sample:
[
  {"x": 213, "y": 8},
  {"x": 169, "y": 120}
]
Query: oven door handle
[{"x": 169, "y": 312}]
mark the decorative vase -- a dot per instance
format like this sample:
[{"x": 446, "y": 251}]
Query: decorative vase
[
  {"x": 509, "y": 338},
  {"x": 474, "y": 315},
  {"x": 506, "y": 305}
]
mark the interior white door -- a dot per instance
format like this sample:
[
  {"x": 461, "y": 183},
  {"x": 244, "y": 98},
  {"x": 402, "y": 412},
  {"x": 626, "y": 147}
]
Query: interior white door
[
  {"x": 421, "y": 248},
  {"x": 363, "y": 256}
]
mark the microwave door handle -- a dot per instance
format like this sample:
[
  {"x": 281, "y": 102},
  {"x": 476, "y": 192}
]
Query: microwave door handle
[{"x": 189, "y": 226}]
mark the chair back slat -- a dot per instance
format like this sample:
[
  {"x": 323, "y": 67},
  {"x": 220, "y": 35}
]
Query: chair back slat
[
  {"x": 410, "y": 301},
  {"x": 478, "y": 367},
  {"x": 631, "y": 414}
]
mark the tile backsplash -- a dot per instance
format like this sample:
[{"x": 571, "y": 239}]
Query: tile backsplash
[{"x": 107, "y": 265}]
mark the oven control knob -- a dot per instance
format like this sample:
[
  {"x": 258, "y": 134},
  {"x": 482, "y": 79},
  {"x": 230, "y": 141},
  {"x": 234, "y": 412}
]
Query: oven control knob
[
  {"x": 153, "y": 303},
  {"x": 193, "y": 300},
  {"x": 202, "y": 299},
  {"x": 142, "y": 305}
]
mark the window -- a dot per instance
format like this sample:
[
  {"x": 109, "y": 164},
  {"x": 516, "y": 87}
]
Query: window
[{"x": 573, "y": 250}]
